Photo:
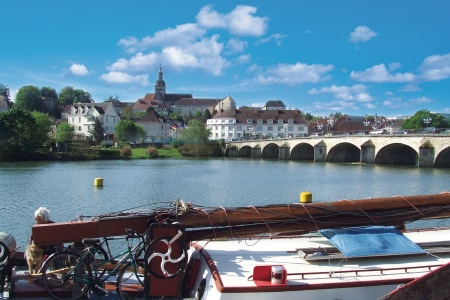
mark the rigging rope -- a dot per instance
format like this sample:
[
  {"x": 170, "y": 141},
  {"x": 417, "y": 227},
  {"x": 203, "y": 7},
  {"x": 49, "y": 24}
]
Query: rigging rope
[
  {"x": 362, "y": 211},
  {"x": 270, "y": 229}
]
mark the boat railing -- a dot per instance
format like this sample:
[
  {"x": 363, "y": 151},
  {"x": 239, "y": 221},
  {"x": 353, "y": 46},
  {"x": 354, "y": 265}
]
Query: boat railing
[{"x": 357, "y": 272}]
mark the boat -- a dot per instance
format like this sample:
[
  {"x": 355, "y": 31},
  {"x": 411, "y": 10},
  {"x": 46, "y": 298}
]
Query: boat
[{"x": 347, "y": 249}]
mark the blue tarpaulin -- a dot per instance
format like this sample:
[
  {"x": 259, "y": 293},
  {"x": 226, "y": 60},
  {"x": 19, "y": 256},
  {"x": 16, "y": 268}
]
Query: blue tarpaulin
[{"x": 369, "y": 241}]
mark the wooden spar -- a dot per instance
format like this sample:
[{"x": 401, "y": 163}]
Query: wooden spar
[
  {"x": 419, "y": 207},
  {"x": 286, "y": 219}
]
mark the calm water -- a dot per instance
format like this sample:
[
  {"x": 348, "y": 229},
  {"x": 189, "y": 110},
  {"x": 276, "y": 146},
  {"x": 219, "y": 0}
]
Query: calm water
[{"x": 67, "y": 188}]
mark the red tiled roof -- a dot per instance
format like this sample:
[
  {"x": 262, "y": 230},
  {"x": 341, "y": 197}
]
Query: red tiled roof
[
  {"x": 242, "y": 116},
  {"x": 196, "y": 102}
]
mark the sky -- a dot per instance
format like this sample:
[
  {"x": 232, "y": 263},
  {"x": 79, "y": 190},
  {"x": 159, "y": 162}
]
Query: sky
[{"x": 384, "y": 57}]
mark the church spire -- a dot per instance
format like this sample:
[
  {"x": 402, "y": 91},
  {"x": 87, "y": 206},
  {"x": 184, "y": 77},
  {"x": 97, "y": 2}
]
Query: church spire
[{"x": 160, "y": 84}]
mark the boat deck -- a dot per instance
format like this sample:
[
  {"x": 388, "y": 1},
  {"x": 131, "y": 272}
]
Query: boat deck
[{"x": 312, "y": 263}]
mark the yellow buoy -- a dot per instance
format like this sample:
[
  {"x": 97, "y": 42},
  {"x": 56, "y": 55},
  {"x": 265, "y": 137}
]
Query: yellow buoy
[
  {"x": 98, "y": 182},
  {"x": 305, "y": 197}
]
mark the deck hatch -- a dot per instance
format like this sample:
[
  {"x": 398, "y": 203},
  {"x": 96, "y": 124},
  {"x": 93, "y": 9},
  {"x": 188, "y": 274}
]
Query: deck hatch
[{"x": 370, "y": 241}]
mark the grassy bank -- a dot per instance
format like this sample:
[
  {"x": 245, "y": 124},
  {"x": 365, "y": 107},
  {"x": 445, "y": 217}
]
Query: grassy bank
[{"x": 165, "y": 152}]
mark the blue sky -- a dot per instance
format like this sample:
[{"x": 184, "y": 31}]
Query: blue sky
[{"x": 389, "y": 58}]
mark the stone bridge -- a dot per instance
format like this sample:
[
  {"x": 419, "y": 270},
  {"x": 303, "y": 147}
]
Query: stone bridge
[{"x": 431, "y": 150}]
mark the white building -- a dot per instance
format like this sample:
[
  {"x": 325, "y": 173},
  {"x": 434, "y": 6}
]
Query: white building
[
  {"x": 157, "y": 126},
  {"x": 232, "y": 124},
  {"x": 82, "y": 117}
]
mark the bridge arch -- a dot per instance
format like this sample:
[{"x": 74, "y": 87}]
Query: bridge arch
[
  {"x": 271, "y": 150},
  {"x": 302, "y": 151},
  {"x": 396, "y": 154},
  {"x": 245, "y": 151},
  {"x": 344, "y": 152},
  {"x": 443, "y": 159}
]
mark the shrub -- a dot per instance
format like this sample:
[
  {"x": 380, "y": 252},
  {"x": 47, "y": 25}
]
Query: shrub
[
  {"x": 152, "y": 152},
  {"x": 200, "y": 150},
  {"x": 126, "y": 151}
]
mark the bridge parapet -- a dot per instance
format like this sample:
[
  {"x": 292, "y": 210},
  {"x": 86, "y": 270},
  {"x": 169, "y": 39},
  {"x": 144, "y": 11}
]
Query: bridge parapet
[{"x": 420, "y": 150}]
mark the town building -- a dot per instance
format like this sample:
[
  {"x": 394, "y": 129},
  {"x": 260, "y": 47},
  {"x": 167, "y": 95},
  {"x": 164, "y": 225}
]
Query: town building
[
  {"x": 238, "y": 124},
  {"x": 183, "y": 104},
  {"x": 82, "y": 117},
  {"x": 157, "y": 126},
  {"x": 160, "y": 100}
]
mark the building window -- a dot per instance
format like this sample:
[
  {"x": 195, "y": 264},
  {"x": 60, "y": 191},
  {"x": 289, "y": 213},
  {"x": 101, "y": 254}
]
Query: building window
[
  {"x": 249, "y": 121},
  {"x": 301, "y": 128},
  {"x": 290, "y": 128},
  {"x": 269, "y": 128},
  {"x": 249, "y": 128},
  {"x": 239, "y": 128},
  {"x": 79, "y": 128},
  {"x": 269, "y": 121},
  {"x": 230, "y": 128},
  {"x": 258, "y": 128},
  {"x": 291, "y": 121},
  {"x": 280, "y": 121},
  {"x": 259, "y": 121},
  {"x": 79, "y": 119}
]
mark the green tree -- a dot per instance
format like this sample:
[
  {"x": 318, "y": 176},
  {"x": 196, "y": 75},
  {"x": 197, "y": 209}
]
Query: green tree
[
  {"x": 29, "y": 98},
  {"x": 127, "y": 113},
  {"x": 4, "y": 91},
  {"x": 69, "y": 96},
  {"x": 97, "y": 131},
  {"x": 416, "y": 121},
  {"x": 308, "y": 116},
  {"x": 18, "y": 137},
  {"x": 195, "y": 133},
  {"x": 206, "y": 115},
  {"x": 43, "y": 125},
  {"x": 128, "y": 131},
  {"x": 48, "y": 93},
  {"x": 64, "y": 133}
]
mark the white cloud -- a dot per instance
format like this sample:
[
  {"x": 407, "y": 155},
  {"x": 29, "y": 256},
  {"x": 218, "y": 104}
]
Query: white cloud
[
  {"x": 435, "y": 67},
  {"x": 243, "y": 59},
  {"x": 394, "y": 66},
  {"x": 355, "y": 93},
  {"x": 294, "y": 74},
  {"x": 204, "y": 55},
  {"x": 181, "y": 35},
  {"x": 240, "y": 21},
  {"x": 236, "y": 45},
  {"x": 78, "y": 70},
  {"x": 124, "y": 78},
  {"x": 420, "y": 100},
  {"x": 274, "y": 37},
  {"x": 138, "y": 63},
  {"x": 380, "y": 73},
  {"x": 362, "y": 34},
  {"x": 410, "y": 88}
]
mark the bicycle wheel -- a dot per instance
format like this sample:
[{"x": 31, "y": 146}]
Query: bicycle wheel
[
  {"x": 100, "y": 256},
  {"x": 66, "y": 276},
  {"x": 130, "y": 284}
]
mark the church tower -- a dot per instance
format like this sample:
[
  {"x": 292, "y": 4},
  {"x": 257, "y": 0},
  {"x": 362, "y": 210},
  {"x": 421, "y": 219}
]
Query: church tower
[{"x": 160, "y": 86}]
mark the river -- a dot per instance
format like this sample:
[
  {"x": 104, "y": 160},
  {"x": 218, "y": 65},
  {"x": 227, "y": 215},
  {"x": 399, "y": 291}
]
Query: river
[{"x": 67, "y": 188}]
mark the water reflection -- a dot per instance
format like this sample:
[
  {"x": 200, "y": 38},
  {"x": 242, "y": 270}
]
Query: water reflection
[{"x": 67, "y": 188}]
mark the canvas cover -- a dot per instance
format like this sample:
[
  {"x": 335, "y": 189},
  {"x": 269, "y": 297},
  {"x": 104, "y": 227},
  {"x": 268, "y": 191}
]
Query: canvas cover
[{"x": 370, "y": 241}]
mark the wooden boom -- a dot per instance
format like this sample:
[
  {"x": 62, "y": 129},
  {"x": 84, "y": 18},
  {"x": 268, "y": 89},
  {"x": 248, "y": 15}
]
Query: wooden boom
[{"x": 285, "y": 219}]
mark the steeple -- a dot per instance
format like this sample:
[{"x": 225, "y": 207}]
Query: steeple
[{"x": 160, "y": 84}]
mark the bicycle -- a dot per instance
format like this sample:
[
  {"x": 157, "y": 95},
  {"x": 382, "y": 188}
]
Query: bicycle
[{"x": 69, "y": 275}]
